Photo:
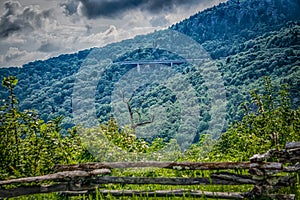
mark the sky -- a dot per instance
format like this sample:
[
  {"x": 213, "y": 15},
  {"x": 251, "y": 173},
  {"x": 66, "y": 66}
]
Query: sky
[{"x": 39, "y": 29}]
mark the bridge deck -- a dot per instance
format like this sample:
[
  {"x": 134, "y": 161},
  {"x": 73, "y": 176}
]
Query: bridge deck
[{"x": 144, "y": 62}]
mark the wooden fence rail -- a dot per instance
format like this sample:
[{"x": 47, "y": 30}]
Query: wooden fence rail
[
  {"x": 266, "y": 177},
  {"x": 172, "y": 165}
]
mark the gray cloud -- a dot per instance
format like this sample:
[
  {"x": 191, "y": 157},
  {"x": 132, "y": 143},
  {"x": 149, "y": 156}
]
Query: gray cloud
[
  {"x": 38, "y": 29},
  {"x": 17, "y": 18},
  {"x": 117, "y": 8},
  {"x": 13, "y": 53},
  {"x": 70, "y": 7},
  {"x": 159, "y": 21},
  {"x": 48, "y": 47}
]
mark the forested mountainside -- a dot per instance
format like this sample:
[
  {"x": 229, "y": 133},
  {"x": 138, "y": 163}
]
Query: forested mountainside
[
  {"x": 246, "y": 40},
  {"x": 223, "y": 29}
]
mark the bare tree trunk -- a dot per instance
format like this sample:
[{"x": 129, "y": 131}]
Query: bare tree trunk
[{"x": 133, "y": 124}]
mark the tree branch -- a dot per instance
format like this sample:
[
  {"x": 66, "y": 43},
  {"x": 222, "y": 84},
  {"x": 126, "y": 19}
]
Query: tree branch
[{"x": 131, "y": 112}]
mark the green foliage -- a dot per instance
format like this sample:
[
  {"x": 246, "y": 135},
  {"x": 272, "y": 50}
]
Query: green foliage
[
  {"x": 126, "y": 139},
  {"x": 28, "y": 145},
  {"x": 269, "y": 122},
  {"x": 199, "y": 152},
  {"x": 244, "y": 71},
  {"x": 109, "y": 143},
  {"x": 10, "y": 82}
]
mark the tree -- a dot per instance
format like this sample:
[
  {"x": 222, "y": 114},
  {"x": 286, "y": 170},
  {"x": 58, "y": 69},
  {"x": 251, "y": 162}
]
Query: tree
[
  {"x": 269, "y": 122},
  {"x": 9, "y": 118},
  {"x": 28, "y": 145},
  {"x": 131, "y": 112}
]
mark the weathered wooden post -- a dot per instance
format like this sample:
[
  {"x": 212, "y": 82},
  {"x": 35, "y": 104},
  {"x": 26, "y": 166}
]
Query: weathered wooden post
[{"x": 268, "y": 181}]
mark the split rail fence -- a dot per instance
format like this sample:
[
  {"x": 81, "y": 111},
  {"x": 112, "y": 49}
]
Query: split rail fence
[{"x": 266, "y": 177}]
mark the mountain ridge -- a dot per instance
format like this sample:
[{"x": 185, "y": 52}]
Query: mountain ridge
[{"x": 244, "y": 20}]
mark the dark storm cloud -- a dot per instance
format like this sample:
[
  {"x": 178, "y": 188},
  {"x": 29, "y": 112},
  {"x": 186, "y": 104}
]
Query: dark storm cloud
[
  {"x": 115, "y": 8},
  {"x": 155, "y": 6},
  {"x": 16, "y": 18},
  {"x": 105, "y": 8}
]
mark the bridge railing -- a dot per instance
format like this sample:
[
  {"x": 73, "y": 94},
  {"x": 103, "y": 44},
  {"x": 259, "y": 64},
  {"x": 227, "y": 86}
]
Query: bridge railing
[{"x": 266, "y": 177}]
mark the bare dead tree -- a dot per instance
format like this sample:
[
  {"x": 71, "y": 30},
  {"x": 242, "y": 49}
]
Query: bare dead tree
[{"x": 139, "y": 122}]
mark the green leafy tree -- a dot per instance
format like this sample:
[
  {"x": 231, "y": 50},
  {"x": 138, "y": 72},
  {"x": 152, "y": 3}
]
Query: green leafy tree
[
  {"x": 30, "y": 146},
  {"x": 9, "y": 123},
  {"x": 269, "y": 122}
]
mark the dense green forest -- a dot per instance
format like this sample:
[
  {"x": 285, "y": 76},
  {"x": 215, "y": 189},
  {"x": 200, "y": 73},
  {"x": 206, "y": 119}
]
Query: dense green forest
[
  {"x": 242, "y": 38},
  {"x": 245, "y": 86}
]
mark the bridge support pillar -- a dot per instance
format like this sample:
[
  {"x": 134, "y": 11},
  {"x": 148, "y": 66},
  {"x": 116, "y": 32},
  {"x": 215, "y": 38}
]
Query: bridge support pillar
[{"x": 138, "y": 68}]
